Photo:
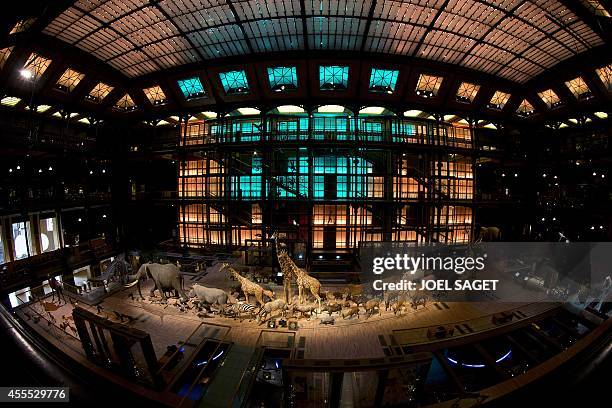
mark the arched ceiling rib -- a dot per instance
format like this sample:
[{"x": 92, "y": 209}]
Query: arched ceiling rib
[{"x": 513, "y": 39}]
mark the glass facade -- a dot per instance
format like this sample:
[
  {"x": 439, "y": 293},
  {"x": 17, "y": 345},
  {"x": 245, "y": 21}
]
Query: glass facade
[
  {"x": 330, "y": 199},
  {"x": 333, "y": 77},
  {"x": 234, "y": 82}
]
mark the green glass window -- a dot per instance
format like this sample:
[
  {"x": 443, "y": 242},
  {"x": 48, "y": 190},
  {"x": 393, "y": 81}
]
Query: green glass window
[
  {"x": 192, "y": 88},
  {"x": 383, "y": 80},
  {"x": 246, "y": 131},
  {"x": 282, "y": 78},
  {"x": 234, "y": 82},
  {"x": 333, "y": 77}
]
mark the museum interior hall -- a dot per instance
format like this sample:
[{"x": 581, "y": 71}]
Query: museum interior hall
[{"x": 195, "y": 194}]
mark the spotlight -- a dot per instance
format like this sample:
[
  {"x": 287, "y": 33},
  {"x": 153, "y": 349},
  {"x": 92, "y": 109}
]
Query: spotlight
[
  {"x": 18, "y": 167},
  {"x": 293, "y": 325},
  {"x": 272, "y": 324},
  {"x": 50, "y": 168},
  {"x": 26, "y": 74}
]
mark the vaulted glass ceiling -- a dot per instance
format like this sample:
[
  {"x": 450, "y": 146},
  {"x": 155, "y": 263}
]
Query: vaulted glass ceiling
[{"x": 514, "y": 39}]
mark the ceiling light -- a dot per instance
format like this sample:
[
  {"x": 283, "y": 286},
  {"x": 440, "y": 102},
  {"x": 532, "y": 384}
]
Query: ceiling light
[
  {"x": 331, "y": 109},
  {"x": 290, "y": 109},
  {"x": 601, "y": 115},
  {"x": 249, "y": 111},
  {"x": 372, "y": 110},
  {"x": 413, "y": 113},
  {"x": 209, "y": 115},
  {"x": 26, "y": 74}
]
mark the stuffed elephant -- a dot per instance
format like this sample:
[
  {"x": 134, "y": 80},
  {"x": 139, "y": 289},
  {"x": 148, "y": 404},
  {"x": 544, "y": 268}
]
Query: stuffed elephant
[
  {"x": 166, "y": 277},
  {"x": 488, "y": 234}
]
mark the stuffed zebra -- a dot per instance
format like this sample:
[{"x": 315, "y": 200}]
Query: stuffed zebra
[{"x": 243, "y": 308}]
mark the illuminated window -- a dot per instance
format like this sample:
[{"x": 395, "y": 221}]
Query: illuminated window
[
  {"x": 467, "y": 92},
  {"x": 22, "y": 240},
  {"x": 282, "y": 78},
  {"x": 35, "y": 66},
  {"x": 525, "y": 108},
  {"x": 192, "y": 88},
  {"x": 550, "y": 98},
  {"x": 499, "y": 100},
  {"x": 605, "y": 74},
  {"x": 49, "y": 234},
  {"x": 155, "y": 95},
  {"x": 69, "y": 80},
  {"x": 99, "y": 92},
  {"x": 383, "y": 80},
  {"x": 579, "y": 88},
  {"x": 22, "y": 25},
  {"x": 234, "y": 82},
  {"x": 428, "y": 85},
  {"x": 9, "y": 101},
  {"x": 333, "y": 77},
  {"x": 125, "y": 103},
  {"x": 4, "y": 54}
]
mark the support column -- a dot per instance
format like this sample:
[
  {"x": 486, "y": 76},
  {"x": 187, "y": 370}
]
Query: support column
[
  {"x": 335, "y": 388},
  {"x": 380, "y": 387}
]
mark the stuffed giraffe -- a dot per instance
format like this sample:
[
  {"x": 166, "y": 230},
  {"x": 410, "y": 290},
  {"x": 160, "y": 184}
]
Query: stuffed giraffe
[
  {"x": 285, "y": 263},
  {"x": 306, "y": 281},
  {"x": 248, "y": 287}
]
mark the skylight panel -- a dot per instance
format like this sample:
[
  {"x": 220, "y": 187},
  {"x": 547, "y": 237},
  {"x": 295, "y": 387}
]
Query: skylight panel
[
  {"x": 155, "y": 95},
  {"x": 35, "y": 66},
  {"x": 550, "y": 98},
  {"x": 69, "y": 80},
  {"x": 383, "y": 80},
  {"x": 4, "y": 55},
  {"x": 605, "y": 74},
  {"x": 192, "y": 88},
  {"x": 125, "y": 103},
  {"x": 579, "y": 88},
  {"x": 525, "y": 108},
  {"x": 234, "y": 82},
  {"x": 99, "y": 92},
  {"x": 428, "y": 85},
  {"x": 467, "y": 92},
  {"x": 22, "y": 25},
  {"x": 282, "y": 78},
  {"x": 498, "y": 100},
  {"x": 333, "y": 77},
  {"x": 596, "y": 8}
]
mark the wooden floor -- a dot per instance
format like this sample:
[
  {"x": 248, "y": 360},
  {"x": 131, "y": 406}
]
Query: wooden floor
[{"x": 346, "y": 339}]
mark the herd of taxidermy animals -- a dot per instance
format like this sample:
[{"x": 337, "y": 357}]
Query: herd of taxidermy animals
[{"x": 208, "y": 300}]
